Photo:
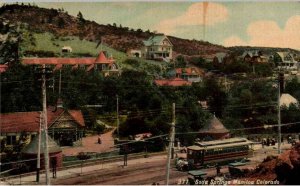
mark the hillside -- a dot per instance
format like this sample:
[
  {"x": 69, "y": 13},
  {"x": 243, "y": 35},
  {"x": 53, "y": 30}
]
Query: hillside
[
  {"x": 265, "y": 50},
  {"x": 60, "y": 23}
]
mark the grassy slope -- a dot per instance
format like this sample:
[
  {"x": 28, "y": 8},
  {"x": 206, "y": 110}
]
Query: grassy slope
[{"x": 48, "y": 42}]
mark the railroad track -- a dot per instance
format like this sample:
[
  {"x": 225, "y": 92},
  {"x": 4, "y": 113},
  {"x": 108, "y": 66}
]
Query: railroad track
[{"x": 113, "y": 176}]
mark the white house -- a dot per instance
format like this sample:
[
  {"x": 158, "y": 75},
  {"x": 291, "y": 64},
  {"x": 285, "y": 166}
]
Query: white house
[
  {"x": 158, "y": 47},
  {"x": 66, "y": 49},
  {"x": 285, "y": 60}
]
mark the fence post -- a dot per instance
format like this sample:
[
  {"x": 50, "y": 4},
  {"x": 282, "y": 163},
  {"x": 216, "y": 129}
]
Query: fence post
[{"x": 81, "y": 166}]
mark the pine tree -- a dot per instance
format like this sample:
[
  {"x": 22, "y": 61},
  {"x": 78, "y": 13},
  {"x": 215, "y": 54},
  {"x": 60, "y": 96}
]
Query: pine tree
[{"x": 80, "y": 20}]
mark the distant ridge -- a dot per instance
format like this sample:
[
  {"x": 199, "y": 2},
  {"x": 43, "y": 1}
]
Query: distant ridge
[{"x": 120, "y": 38}]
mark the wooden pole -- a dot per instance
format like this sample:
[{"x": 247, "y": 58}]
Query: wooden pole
[
  {"x": 172, "y": 135},
  {"x": 45, "y": 130}
]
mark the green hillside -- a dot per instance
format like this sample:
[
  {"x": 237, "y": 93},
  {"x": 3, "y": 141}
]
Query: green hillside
[
  {"x": 49, "y": 42},
  {"x": 49, "y": 45}
]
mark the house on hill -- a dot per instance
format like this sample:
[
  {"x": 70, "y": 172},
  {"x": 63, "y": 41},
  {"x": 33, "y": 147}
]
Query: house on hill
[
  {"x": 219, "y": 59},
  {"x": 158, "y": 47},
  {"x": 66, "y": 49},
  {"x": 190, "y": 74},
  {"x": 255, "y": 56},
  {"x": 285, "y": 60},
  {"x": 64, "y": 126},
  {"x": 106, "y": 65}
]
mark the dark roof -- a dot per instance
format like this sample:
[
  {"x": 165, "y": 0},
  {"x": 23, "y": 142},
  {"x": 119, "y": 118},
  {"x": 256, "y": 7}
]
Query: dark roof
[
  {"x": 214, "y": 126},
  {"x": 32, "y": 147},
  {"x": 29, "y": 121}
]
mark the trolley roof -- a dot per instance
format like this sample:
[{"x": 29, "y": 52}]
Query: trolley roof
[
  {"x": 220, "y": 142},
  {"x": 232, "y": 142}
]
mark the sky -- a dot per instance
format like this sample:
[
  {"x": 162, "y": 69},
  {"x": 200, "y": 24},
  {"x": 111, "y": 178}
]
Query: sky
[{"x": 270, "y": 24}]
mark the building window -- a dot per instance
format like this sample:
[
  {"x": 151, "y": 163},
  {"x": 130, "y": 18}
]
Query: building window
[
  {"x": 11, "y": 140},
  {"x": 32, "y": 136}
]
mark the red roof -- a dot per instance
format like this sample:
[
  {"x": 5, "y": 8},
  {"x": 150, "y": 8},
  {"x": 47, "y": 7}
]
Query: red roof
[
  {"x": 77, "y": 115},
  {"x": 56, "y": 61},
  {"x": 102, "y": 58},
  {"x": 3, "y": 68},
  {"x": 75, "y": 62},
  {"x": 176, "y": 82},
  {"x": 29, "y": 121}
]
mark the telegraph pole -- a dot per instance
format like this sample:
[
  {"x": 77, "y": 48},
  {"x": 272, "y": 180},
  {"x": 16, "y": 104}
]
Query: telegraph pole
[
  {"x": 280, "y": 81},
  {"x": 39, "y": 152},
  {"x": 173, "y": 131},
  {"x": 171, "y": 146},
  {"x": 59, "y": 87},
  {"x": 44, "y": 126},
  {"x": 118, "y": 122}
]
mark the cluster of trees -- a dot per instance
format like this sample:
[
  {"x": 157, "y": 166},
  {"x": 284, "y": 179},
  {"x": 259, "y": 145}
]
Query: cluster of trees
[{"x": 147, "y": 107}]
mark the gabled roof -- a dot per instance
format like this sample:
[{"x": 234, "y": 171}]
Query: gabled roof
[
  {"x": 77, "y": 115},
  {"x": 156, "y": 40},
  {"x": 282, "y": 55},
  {"x": 29, "y": 121},
  {"x": 175, "y": 82},
  {"x": 220, "y": 56},
  {"x": 251, "y": 53},
  {"x": 214, "y": 126},
  {"x": 101, "y": 59}
]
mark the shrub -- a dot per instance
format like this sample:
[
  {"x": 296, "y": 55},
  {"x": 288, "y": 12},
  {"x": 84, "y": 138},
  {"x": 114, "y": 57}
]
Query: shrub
[{"x": 83, "y": 156}]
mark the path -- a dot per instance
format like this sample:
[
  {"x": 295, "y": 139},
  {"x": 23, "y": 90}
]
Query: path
[{"x": 90, "y": 144}]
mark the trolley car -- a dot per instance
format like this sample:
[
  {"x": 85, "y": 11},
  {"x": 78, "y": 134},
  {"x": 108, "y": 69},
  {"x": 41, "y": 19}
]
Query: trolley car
[{"x": 207, "y": 153}]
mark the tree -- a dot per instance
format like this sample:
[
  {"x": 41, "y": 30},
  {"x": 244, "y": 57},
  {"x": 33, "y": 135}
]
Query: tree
[
  {"x": 293, "y": 87},
  {"x": 61, "y": 22},
  {"x": 216, "y": 97},
  {"x": 80, "y": 20},
  {"x": 139, "y": 30},
  {"x": 180, "y": 62}
]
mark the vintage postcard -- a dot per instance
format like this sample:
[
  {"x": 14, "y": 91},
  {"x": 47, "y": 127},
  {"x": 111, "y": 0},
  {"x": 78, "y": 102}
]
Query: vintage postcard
[{"x": 143, "y": 92}]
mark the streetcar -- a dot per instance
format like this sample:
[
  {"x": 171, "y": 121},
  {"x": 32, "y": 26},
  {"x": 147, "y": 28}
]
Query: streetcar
[{"x": 211, "y": 153}]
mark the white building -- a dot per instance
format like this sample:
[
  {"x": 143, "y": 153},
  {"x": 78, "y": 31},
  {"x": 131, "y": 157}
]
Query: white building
[{"x": 158, "y": 47}]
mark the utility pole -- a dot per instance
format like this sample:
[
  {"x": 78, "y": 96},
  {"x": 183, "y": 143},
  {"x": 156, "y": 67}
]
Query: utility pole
[
  {"x": 171, "y": 147},
  {"x": 59, "y": 87},
  {"x": 118, "y": 116},
  {"x": 44, "y": 126},
  {"x": 280, "y": 79},
  {"x": 39, "y": 152},
  {"x": 173, "y": 131}
]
